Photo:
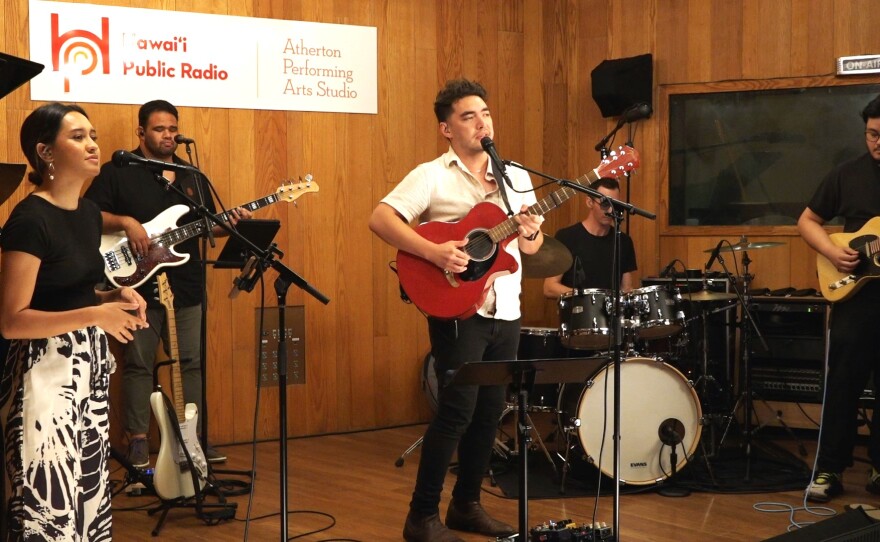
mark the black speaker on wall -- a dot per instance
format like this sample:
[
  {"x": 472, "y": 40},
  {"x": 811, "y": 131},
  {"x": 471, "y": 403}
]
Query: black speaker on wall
[{"x": 622, "y": 82}]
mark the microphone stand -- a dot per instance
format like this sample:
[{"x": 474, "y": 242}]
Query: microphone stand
[
  {"x": 287, "y": 277},
  {"x": 616, "y": 212}
]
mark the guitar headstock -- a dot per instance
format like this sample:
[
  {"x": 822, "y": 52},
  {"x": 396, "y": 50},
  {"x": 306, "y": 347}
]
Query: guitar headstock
[
  {"x": 166, "y": 296},
  {"x": 290, "y": 191},
  {"x": 623, "y": 160}
]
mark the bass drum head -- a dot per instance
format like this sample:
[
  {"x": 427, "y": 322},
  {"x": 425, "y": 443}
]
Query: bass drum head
[{"x": 653, "y": 396}]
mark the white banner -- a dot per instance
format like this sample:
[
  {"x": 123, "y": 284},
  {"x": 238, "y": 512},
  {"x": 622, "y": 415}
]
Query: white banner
[{"x": 108, "y": 54}]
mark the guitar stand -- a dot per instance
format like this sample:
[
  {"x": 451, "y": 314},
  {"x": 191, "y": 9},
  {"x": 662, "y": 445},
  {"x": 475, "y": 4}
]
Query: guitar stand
[{"x": 210, "y": 513}]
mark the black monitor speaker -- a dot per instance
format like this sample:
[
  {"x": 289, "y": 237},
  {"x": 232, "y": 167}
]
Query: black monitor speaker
[{"x": 623, "y": 82}]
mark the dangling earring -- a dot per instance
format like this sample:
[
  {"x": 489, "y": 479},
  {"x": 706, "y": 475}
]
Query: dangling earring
[{"x": 51, "y": 171}]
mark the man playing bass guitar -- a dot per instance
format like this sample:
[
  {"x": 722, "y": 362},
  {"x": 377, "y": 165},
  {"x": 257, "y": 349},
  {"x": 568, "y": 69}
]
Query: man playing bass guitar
[{"x": 129, "y": 197}]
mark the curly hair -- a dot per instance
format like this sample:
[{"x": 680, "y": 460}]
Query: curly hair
[{"x": 455, "y": 90}]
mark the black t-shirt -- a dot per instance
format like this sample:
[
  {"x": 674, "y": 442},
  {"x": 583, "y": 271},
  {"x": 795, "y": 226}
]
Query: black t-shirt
[
  {"x": 591, "y": 266},
  {"x": 852, "y": 191},
  {"x": 67, "y": 244},
  {"x": 133, "y": 191}
]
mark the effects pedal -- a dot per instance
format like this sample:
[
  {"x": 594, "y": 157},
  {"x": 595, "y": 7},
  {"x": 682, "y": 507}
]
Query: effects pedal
[{"x": 568, "y": 531}]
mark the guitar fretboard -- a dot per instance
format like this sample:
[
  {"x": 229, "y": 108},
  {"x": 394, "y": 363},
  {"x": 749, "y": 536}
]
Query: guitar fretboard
[
  {"x": 194, "y": 229},
  {"x": 542, "y": 207}
]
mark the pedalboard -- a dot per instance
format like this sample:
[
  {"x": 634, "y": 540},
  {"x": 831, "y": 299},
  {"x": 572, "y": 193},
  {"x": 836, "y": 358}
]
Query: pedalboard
[{"x": 566, "y": 530}]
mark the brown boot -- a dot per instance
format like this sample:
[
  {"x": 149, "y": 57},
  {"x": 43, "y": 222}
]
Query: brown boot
[
  {"x": 427, "y": 529},
  {"x": 471, "y": 518}
]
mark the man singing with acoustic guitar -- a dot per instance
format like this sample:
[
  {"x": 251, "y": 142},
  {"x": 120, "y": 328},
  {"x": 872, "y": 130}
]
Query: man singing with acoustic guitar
[{"x": 446, "y": 190}]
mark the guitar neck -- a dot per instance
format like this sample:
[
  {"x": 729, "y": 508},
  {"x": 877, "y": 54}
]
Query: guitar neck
[
  {"x": 542, "y": 207},
  {"x": 176, "y": 379},
  {"x": 194, "y": 229}
]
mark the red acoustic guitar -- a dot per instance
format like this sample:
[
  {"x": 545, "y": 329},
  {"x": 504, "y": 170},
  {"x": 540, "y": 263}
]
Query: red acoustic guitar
[{"x": 488, "y": 230}]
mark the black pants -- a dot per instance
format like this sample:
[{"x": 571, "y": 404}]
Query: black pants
[
  {"x": 853, "y": 354},
  {"x": 467, "y": 416}
]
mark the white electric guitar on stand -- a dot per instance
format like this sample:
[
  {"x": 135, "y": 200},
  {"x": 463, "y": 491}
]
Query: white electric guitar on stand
[{"x": 171, "y": 476}]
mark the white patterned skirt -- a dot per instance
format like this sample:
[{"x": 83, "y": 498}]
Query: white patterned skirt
[{"x": 54, "y": 409}]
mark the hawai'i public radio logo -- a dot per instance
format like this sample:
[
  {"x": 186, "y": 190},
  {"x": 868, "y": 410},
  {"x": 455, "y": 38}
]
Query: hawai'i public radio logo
[{"x": 78, "y": 52}]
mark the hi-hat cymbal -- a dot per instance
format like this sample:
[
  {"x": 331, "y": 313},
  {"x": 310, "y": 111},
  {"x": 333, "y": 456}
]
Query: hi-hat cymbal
[
  {"x": 744, "y": 244},
  {"x": 705, "y": 296},
  {"x": 552, "y": 259}
]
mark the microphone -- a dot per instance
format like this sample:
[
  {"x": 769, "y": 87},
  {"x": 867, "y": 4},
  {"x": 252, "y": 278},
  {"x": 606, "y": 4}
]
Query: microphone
[
  {"x": 671, "y": 431},
  {"x": 240, "y": 282},
  {"x": 183, "y": 140},
  {"x": 714, "y": 255},
  {"x": 667, "y": 269},
  {"x": 497, "y": 163},
  {"x": 125, "y": 158},
  {"x": 635, "y": 112}
]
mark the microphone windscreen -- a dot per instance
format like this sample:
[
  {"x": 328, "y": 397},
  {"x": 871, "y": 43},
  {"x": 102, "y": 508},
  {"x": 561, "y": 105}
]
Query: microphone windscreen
[{"x": 119, "y": 159}]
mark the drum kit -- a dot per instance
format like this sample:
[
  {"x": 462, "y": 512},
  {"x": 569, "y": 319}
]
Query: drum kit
[{"x": 662, "y": 410}]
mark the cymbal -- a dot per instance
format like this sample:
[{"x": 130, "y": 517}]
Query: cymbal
[
  {"x": 552, "y": 259},
  {"x": 744, "y": 244},
  {"x": 705, "y": 296}
]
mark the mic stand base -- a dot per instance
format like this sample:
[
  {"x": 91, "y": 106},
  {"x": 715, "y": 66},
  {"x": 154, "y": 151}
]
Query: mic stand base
[{"x": 672, "y": 489}]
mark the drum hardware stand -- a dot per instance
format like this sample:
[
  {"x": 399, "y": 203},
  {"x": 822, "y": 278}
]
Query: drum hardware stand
[
  {"x": 531, "y": 426},
  {"x": 706, "y": 379},
  {"x": 746, "y": 395}
]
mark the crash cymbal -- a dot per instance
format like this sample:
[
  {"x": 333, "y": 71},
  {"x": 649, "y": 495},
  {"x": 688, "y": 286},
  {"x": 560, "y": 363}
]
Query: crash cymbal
[
  {"x": 552, "y": 259},
  {"x": 705, "y": 296},
  {"x": 744, "y": 244}
]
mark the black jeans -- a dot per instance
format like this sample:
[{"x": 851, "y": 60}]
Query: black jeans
[
  {"x": 853, "y": 354},
  {"x": 467, "y": 416}
]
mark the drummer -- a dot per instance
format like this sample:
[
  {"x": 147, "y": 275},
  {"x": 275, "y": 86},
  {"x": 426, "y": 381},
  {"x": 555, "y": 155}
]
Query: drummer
[{"x": 591, "y": 242}]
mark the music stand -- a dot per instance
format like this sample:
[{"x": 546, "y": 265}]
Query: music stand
[
  {"x": 522, "y": 375},
  {"x": 15, "y": 72},
  {"x": 258, "y": 231}
]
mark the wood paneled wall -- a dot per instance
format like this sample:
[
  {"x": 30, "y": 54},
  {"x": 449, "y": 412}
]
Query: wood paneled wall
[{"x": 365, "y": 349}]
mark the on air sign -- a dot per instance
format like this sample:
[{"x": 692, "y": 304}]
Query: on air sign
[{"x": 109, "y": 54}]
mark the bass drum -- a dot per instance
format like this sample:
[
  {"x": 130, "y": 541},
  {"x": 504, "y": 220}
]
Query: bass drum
[{"x": 656, "y": 399}]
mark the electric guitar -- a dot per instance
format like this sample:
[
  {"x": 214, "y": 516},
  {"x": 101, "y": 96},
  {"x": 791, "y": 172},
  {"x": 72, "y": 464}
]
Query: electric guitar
[
  {"x": 171, "y": 476},
  {"x": 837, "y": 286},
  {"x": 123, "y": 268},
  {"x": 448, "y": 295}
]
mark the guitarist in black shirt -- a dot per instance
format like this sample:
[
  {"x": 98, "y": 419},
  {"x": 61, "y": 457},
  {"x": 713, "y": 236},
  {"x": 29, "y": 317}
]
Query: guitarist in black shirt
[{"x": 852, "y": 191}]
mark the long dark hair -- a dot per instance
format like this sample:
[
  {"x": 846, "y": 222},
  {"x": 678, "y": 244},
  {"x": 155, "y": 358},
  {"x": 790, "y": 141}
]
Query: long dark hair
[{"x": 42, "y": 126}]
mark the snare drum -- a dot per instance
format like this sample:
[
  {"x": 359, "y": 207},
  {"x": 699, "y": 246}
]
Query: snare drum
[
  {"x": 656, "y": 312},
  {"x": 585, "y": 318},
  {"x": 655, "y": 399},
  {"x": 541, "y": 343}
]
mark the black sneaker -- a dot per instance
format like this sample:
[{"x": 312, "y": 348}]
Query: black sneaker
[
  {"x": 139, "y": 453},
  {"x": 213, "y": 455},
  {"x": 825, "y": 486}
]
